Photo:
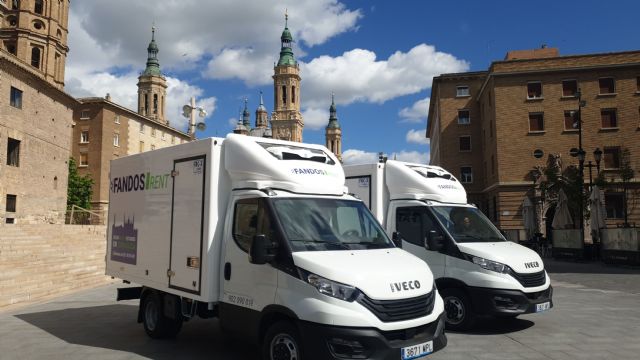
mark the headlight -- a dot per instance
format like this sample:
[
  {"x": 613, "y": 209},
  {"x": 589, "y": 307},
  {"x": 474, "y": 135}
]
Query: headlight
[
  {"x": 490, "y": 265},
  {"x": 331, "y": 288}
]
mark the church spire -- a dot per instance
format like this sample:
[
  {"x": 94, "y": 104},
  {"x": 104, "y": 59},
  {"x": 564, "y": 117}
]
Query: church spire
[
  {"x": 246, "y": 117},
  {"x": 153, "y": 65},
  {"x": 333, "y": 118},
  {"x": 286, "y": 51},
  {"x": 333, "y": 133}
]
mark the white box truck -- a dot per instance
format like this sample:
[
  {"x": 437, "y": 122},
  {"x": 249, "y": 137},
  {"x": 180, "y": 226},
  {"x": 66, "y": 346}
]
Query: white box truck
[
  {"x": 478, "y": 272},
  {"x": 261, "y": 234}
]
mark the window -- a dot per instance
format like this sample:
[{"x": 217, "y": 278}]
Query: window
[
  {"x": 116, "y": 140},
  {"x": 117, "y": 119},
  {"x": 141, "y": 128},
  {"x": 153, "y": 132},
  {"x": 284, "y": 95},
  {"x": 173, "y": 139},
  {"x": 569, "y": 88},
  {"x": 536, "y": 122},
  {"x": 146, "y": 104},
  {"x": 293, "y": 94},
  {"x": 614, "y": 204},
  {"x": 608, "y": 118},
  {"x": 84, "y": 114},
  {"x": 155, "y": 103},
  {"x": 413, "y": 223},
  {"x": 251, "y": 218},
  {"x": 611, "y": 157},
  {"x": 16, "y": 98},
  {"x": 465, "y": 143},
  {"x": 607, "y": 86},
  {"x": 15, "y": 4},
  {"x": 35, "y": 57},
  {"x": 463, "y": 117},
  {"x": 11, "y": 203},
  {"x": 11, "y": 48},
  {"x": 638, "y": 84},
  {"x": 534, "y": 90},
  {"x": 141, "y": 146},
  {"x": 84, "y": 136},
  {"x": 38, "y": 7},
  {"x": 13, "y": 152},
  {"x": 466, "y": 175},
  {"x": 462, "y": 90},
  {"x": 570, "y": 120},
  {"x": 84, "y": 159}
]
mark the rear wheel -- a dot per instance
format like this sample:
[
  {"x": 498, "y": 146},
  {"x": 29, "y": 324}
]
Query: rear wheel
[
  {"x": 156, "y": 324},
  {"x": 457, "y": 308},
  {"x": 281, "y": 342}
]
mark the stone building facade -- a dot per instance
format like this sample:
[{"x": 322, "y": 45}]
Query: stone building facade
[
  {"x": 485, "y": 127},
  {"x": 35, "y": 143},
  {"x": 35, "y": 31}
]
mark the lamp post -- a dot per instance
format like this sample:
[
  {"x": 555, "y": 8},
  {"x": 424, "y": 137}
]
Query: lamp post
[
  {"x": 189, "y": 111},
  {"x": 597, "y": 155},
  {"x": 581, "y": 156}
]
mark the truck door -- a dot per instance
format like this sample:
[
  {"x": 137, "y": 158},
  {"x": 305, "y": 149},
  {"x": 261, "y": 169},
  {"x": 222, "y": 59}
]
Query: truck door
[
  {"x": 414, "y": 223},
  {"x": 187, "y": 208},
  {"x": 247, "y": 288}
]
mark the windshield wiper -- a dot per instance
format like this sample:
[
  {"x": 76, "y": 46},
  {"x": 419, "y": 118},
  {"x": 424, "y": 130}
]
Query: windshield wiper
[
  {"x": 372, "y": 245},
  {"x": 338, "y": 244}
]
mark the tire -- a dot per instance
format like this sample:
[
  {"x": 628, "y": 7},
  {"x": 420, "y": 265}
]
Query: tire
[
  {"x": 457, "y": 308},
  {"x": 156, "y": 324},
  {"x": 281, "y": 342}
]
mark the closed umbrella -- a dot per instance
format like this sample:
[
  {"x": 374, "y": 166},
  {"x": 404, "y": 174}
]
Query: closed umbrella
[
  {"x": 528, "y": 217},
  {"x": 562, "y": 218},
  {"x": 598, "y": 211}
]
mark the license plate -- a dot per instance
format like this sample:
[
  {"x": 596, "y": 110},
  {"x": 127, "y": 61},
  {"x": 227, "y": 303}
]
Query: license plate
[
  {"x": 543, "y": 306},
  {"x": 416, "y": 351}
]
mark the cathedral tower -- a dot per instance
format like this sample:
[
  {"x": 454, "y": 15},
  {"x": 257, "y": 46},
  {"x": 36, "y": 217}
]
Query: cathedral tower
[
  {"x": 35, "y": 31},
  {"x": 333, "y": 133},
  {"x": 261, "y": 115},
  {"x": 286, "y": 119},
  {"x": 152, "y": 86}
]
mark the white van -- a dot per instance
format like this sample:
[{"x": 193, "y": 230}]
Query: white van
[
  {"x": 478, "y": 272},
  {"x": 261, "y": 234}
]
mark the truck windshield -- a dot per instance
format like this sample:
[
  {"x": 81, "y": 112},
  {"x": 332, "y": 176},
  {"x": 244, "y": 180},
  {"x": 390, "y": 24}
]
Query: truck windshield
[
  {"x": 312, "y": 224},
  {"x": 467, "y": 224}
]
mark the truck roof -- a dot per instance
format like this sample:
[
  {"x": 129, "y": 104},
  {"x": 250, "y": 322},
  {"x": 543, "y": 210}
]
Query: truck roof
[{"x": 417, "y": 181}]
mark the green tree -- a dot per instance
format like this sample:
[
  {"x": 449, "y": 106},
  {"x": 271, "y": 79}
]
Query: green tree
[{"x": 79, "y": 188}]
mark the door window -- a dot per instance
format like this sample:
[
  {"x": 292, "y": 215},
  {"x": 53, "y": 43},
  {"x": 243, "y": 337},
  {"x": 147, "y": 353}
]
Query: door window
[
  {"x": 251, "y": 218},
  {"x": 414, "y": 223}
]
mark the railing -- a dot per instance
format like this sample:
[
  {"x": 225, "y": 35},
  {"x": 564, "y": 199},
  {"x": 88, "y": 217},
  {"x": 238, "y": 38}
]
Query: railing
[{"x": 81, "y": 216}]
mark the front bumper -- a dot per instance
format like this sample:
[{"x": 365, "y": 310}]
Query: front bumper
[
  {"x": 336, "y": 342},
  {"x": 497, "y": 302}
]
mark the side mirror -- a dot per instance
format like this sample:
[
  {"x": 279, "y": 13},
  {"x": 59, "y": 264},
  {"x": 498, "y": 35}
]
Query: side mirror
[
  {"x": 435, "y": 241},
  {"x": 397, "y": 239},
  {"x": 262, "y": 251}
]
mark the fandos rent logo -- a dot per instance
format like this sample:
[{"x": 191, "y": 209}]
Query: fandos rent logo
[{"x": 138, "y": 182}]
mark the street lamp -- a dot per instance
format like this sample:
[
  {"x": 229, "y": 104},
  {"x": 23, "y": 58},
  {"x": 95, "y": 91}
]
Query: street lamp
[
  {"x": 189, "y": 111},
  {"x": 597, "y": 155}
]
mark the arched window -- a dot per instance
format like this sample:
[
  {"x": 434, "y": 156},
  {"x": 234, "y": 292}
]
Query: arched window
[
  {"x": 155, "y": 103},
  {"x": 12, "y": 20},
  {"x": 293, "y": 94},
  {"x": 284, "y": 95},
  {"x": 38, "y": 8},
  {"x": 35, "y": 57},
  {"x": 60, "y": 7},
  {"x": 15, "y": 4},
  {"x": 146, "y": 104}
]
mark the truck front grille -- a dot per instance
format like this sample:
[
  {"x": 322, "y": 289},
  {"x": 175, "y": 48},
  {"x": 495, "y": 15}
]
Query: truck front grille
[
  {"x": 397, "y": 310},
  {"x": 530, "y": 280}
]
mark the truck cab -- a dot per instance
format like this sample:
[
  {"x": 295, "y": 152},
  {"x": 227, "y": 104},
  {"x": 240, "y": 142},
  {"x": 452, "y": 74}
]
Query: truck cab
[
  {"x": 478, "y": 272},
  {"x": 262, "y": 234}
]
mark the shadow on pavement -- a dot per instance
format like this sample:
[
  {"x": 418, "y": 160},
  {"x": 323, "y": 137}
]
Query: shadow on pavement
[
  {"x": 580, "y": 267},
  {"x": 115, "y": 327},
  {"x": 497, "y": 326}
]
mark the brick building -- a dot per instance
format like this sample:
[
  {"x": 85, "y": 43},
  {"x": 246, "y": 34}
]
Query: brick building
[
  {"x": 35, "y": 113},
  {"x": 485, "y": 126}
]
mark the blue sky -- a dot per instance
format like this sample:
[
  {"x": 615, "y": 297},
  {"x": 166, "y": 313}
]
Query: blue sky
[{"x": 377, "y": 56}]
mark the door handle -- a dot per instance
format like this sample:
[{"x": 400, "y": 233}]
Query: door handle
[{"x": 227, "y": 271}]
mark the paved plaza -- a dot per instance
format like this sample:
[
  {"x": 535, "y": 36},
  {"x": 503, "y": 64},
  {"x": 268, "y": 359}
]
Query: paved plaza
[{"x": 596, "y": 316}]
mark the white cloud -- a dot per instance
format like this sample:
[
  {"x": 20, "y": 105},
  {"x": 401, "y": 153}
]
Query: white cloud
[
  {"x": 417, "y": 137},
  {"x": 315, "y": 119},
  {"x": 372, "y": 80},
  {"x": 246, "y": 64},
  {"x": 417, "y": 112},
  {"x": 354, "y": 156},
  {"x": 411, "y": 156}
]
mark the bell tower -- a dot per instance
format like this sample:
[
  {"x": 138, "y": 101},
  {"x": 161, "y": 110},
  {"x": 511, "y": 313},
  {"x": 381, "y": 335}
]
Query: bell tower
[
  {"x": 152, "y": 85},
  {"x": 286, "y": 119},
  {"x": 35, "y": 31},
  {"x": 333, "y": 132}
]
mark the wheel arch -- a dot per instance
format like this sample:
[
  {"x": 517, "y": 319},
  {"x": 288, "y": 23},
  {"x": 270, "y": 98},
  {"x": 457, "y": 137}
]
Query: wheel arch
[{"x": 272, "y": 314}]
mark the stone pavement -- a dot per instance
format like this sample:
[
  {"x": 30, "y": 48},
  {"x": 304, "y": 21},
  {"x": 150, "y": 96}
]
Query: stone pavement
[{"x": 596, "y": 316}]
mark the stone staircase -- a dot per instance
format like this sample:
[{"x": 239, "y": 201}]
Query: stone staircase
[{"x": 41, "y": 261}]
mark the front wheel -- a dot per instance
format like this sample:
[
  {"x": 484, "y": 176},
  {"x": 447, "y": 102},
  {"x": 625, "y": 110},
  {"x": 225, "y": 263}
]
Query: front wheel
[
  {"x": 457, "y": 307},
  {"x": 281, "y": 342}
]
